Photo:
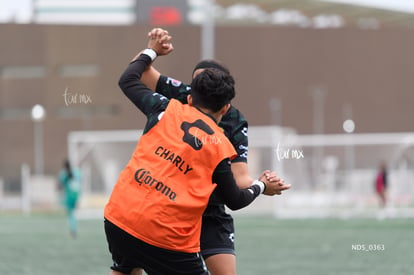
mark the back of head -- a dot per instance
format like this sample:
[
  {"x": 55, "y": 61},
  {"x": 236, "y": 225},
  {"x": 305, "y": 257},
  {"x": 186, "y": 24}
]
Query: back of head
[
  {"x": 210, "y": 63},
  {"x": 212, "y": 89}
]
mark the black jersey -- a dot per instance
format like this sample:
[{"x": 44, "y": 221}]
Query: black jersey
[{"x": 233, "y": 122}]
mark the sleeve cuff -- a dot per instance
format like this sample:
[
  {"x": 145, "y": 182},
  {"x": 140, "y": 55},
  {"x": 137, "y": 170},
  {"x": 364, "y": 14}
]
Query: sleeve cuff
[
  {"x": 261, "y": 185},
  {"x": 151, "y": 53}
]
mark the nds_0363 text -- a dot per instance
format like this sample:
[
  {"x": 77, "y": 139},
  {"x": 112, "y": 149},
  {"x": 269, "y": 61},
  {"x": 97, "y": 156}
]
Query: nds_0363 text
[{"x": 368, "y": 247}]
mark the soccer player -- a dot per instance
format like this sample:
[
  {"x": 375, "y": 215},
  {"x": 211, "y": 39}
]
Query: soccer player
[
  {"x": 381, "y": 184},
  {"x": 217, "y": 235},
  {"x": 69, "y": 179},
  {"x": 153, "y": 216}
]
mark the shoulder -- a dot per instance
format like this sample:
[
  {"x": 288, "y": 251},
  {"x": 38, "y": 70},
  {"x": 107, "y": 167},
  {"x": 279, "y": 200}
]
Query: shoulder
[
  {"x": 234, "y": 114},
  {"x": 234, "y": 124},
  {"x": 233, "y": 119},
  {"x": 235, "y": 128},
  {"x": 167, "y": 82}
]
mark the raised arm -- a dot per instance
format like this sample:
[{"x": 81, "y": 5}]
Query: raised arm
[
  {"x": 151, "y": 76},
  {"x": 162, "y": 84},
  {"x": 131, "y": 84}
]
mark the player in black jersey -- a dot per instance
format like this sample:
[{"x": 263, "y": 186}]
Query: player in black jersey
[{"x": 217, "y": 236}]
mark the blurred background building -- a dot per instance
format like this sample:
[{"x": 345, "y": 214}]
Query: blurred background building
[{"x": 312, "y": 68}]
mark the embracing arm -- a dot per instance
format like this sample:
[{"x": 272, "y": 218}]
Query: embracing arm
[
  {"x": 241, "y": 174},
  {"x": 234, "y": 197}
]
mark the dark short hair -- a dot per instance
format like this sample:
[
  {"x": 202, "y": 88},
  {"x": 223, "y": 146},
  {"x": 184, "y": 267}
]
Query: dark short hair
[
  {"x": 212, "y": 89},
  {"x": 210, "y": 63}
]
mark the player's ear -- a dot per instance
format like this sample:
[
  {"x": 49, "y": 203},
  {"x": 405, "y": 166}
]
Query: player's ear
[
  {"x": 224, "y": 109},
  {"x": 190, "y": 100}
]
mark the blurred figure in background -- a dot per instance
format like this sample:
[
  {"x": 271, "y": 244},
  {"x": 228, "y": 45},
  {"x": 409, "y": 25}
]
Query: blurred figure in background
[
  {"x": 70, "y": 181},
  {"x": 381, "y": 184}
]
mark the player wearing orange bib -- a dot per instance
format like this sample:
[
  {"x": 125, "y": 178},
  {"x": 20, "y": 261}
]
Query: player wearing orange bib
[
  {"x": 217, "y": 240},
  {"x": 152, "y": 199},
  {"x": 153, "y": 217}
]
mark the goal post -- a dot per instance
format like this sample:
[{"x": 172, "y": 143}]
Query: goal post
[
  {"x": 100, "y": 156},
  {"x": 336, "y": 177},
  {"x": 331, "y": 175}
]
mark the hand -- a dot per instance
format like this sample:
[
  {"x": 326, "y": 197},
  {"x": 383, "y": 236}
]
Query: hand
[
  {"x": 274, "y": 184},
  {"x": 160, "y": 41}
]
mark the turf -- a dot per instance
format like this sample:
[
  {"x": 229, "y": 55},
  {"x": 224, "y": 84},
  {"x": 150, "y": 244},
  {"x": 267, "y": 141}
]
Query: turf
[
  {"x": 324, "y": 247},
  {"x": 41, "y": 244}
]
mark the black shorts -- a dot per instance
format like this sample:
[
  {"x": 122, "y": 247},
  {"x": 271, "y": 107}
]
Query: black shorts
[
  {"x": 217, "y": 232},
  {"x": 129, "y": 252}
]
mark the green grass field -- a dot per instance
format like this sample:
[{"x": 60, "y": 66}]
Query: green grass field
[{"x": 40, "y": 245}]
